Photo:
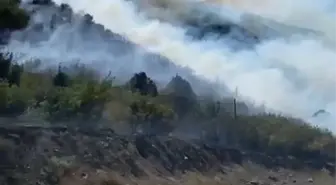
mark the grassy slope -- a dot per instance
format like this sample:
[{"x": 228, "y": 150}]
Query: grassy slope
[
  {"x": 84, "y": 97},
  {"x": 91, "y": 99}
]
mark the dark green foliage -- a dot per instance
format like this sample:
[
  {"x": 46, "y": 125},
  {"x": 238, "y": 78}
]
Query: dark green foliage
[
  {"x": 180, "y": 95},
  {"x": 142, "y": 84},
  {"x": 14, "y": 77},
  {"x": 88, "y": 98},
  {"x": 147, "y": 111},
  {"x": 88, "y": 19},
  {"x": 180, "y": 87},
  {"x": 13, "y": 100},
  {"x": 64, "y": 7},
  {"x": 5, "y": 63},
  {"x": 9, "y": 72},
  {"x": 61, "y": 79},
  {"x": 150, "y": 116},
  {"x": 84, "y": 101},
  {"x": 41, "y": 2},
  {"x": 11, "y": 16}
]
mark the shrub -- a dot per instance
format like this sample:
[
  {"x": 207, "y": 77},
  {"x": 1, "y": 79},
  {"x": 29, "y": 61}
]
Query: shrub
[
  {"x": 13, "y": 99},
  {"x": 61, "y": 79},
  {"x": 11, "y": 16},
  {"x": 5, "y": 64},
  {"x": 142, "y": 84},
  {"x": 9, "y": 71},
  {"x": 78, "y": 100}
]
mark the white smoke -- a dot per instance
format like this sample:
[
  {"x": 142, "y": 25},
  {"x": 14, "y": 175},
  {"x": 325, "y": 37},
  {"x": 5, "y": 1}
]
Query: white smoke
[
  {"x": 75, "y": 41},
  {"x": 295, "y": 76},
  {"x": 312, "y": 14}
]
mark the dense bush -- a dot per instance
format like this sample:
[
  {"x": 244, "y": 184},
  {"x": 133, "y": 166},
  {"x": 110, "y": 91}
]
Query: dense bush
[
  {"x": 13, "y": 100},
  {"x": 180, "y": 96},
  {"x": 142, "y": 84},
  {"x": 11, "y": 16}
]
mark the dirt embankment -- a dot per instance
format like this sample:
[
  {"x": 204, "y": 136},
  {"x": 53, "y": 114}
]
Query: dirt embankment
[{"x": 37, "y": 155}]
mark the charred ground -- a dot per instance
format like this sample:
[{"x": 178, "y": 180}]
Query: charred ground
[{"x": 51, "y": 155}]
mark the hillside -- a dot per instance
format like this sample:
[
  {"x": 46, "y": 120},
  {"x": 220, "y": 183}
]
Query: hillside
[
  {"x": 59, "y": 155},
  {"x": 62, "y": 124}
]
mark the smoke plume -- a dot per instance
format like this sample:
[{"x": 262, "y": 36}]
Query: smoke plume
[
  {"x": 294, "y": 76},
  {"x": 56, "y": 35}
]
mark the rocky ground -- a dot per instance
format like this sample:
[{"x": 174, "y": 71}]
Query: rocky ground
[{"x": 60, "y": 155}]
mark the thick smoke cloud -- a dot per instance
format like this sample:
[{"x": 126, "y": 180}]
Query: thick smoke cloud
[
  {"x": 312, "y": 14},
  {"x": 57, "y": 36},
  {"x": 295, "y": 76}
]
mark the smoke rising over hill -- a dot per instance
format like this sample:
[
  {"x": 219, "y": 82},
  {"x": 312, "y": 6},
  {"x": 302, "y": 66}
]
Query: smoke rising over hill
[
  {"x": 292, "y": 71},
  {"x": 301, "y": 73}
]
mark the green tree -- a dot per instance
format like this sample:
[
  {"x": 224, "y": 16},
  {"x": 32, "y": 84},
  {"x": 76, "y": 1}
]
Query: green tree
[
  {"x": 143, "y": 84},
  {"x": 5, "y": 64},
  {"x": 12, "y": 17},
  {"x": 14, "y": 77},
  {"x": 179, "y": 93},
  {"x": 61, "y": 79}
]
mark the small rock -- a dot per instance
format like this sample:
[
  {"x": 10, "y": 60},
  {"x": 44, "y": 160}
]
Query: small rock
[
  {"x": 253, "y": 182},
  {"x": 84, "y": 175},
  {"x": 273, "y": 178},
  {"x": 310, "y": 180}
]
